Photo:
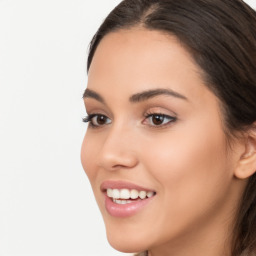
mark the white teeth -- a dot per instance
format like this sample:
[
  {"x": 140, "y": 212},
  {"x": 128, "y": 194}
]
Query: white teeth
[
  {"x": 142, "y": 194},
  {"x": 126, "y": 194},
  {"x": 150, "y": 194},
  {"x": 134, "y": 194},
  {"x": 115, "y": 193},
  {"x": 121, "y": 201},
  {"x": 110, "y": 192}
]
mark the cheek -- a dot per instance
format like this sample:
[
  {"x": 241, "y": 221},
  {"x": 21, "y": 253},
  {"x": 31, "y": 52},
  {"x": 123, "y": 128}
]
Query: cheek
[
  {"x": 180, "y": 154},
  {"x": 192, "y": 172}
]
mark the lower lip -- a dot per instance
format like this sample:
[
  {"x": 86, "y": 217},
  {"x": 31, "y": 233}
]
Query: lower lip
[{"x": 125, "y": 210}]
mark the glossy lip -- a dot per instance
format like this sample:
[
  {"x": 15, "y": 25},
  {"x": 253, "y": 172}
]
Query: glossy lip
[{"x": 124, "y": 210}]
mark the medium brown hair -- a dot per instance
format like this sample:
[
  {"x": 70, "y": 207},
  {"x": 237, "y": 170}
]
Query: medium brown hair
[{"x": 221, "y": 37}]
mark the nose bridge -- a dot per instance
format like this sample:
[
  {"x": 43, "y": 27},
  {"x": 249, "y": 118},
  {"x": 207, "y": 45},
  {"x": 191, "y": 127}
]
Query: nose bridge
[{"x": 118, "y": 149}]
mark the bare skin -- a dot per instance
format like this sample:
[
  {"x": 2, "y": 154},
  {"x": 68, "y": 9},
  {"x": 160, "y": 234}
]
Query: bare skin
[{"x": 184, "y": 158}]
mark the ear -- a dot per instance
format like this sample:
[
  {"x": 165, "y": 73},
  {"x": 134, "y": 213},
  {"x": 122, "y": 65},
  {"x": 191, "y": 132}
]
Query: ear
[{"x": 247, "y": 162}]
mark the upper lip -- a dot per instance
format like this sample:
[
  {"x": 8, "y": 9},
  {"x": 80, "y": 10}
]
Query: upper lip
[{"x": 118, "y": 184}]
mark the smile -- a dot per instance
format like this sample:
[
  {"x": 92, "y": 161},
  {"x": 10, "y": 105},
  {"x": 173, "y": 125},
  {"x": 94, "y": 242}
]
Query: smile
[
  {"x": 124, "y": 199},
  {"x": 124, "y": 196}
]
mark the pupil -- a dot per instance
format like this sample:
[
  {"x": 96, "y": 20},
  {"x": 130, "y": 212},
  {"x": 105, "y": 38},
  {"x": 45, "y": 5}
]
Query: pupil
[
  {"x": 101, "y": 119},
  {"x": 158, "y": 119}
]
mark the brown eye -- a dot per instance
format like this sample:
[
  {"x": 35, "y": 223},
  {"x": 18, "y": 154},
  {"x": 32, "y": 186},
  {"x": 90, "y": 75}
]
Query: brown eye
[
  {"x": 97, "y": 120},
  {"x": 101, "y": 120},
  {"x": 158, "y": 120}
]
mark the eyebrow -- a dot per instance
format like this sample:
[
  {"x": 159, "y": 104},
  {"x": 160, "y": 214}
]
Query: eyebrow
[
  {"x": 138, "y": 97},
  {"x": 93, "y": 95},
  {"x": 142, "y": 96}
]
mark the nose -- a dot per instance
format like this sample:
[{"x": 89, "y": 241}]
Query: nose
[{"x": 118, "y": 150}]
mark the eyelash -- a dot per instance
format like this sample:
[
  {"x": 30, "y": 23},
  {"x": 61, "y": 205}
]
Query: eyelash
[{"x": 89, "y": 119}]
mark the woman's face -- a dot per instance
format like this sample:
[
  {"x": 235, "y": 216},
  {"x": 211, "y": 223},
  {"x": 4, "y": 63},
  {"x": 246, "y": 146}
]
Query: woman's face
[{"x": 155, "y": 131}]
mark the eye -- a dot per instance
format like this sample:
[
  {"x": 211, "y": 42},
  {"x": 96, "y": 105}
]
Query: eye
[
  {"x": 159, "y": 119},
  {"x": 97, "y": 120}
]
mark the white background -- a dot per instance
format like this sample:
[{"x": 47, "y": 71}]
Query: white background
[{"x": 46, "y": 204}]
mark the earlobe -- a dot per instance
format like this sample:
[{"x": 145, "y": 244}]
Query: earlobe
[{"x": 247, "y": 162}]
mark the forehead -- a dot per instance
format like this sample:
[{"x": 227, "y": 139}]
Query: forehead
[{"x": 128, "y": 61}]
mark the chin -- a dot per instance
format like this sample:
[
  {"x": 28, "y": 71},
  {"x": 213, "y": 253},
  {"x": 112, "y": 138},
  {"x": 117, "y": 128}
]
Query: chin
[
  {"x": 127, "y": 246},
  {"x": 127, "y": 242}
]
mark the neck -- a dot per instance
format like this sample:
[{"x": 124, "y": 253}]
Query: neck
[{"x": 200, "y": 244}]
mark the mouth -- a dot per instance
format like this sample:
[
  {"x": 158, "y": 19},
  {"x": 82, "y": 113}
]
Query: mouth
[
  {"x": 124, "y": 199},
  {"x": 127, "y": 196}
]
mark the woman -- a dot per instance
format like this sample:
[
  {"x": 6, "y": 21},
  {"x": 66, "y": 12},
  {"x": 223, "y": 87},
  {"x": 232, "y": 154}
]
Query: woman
[{"x": 170, "y": 149}]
